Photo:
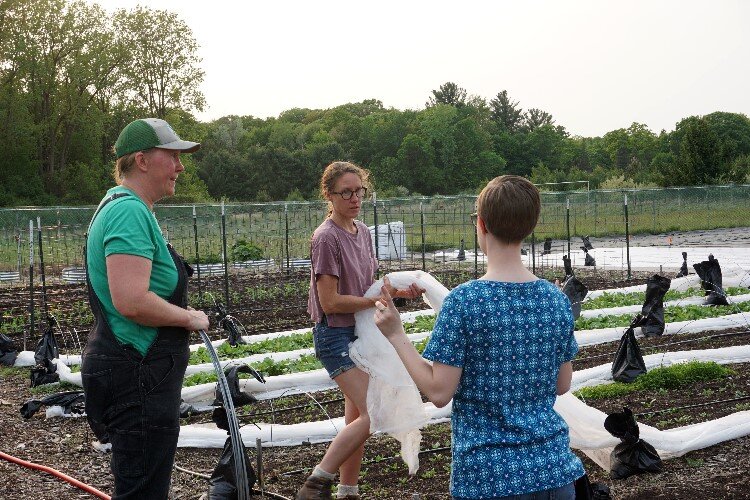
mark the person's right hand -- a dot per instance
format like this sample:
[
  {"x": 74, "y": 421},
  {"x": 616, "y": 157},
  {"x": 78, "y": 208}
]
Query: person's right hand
[
  {"x": 387, "y": 318},
  {"x": 197, "y": 320}
]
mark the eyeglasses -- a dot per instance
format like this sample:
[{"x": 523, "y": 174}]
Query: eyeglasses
[
  {"x": 347, "y": 194},
  {"x": 473, "y": 218}
]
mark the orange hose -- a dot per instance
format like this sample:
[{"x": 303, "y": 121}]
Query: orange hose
[{"x": 50, "y": 470}]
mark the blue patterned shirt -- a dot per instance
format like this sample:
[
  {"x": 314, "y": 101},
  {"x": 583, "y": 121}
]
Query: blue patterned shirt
[{"x": 510, "y": 339}]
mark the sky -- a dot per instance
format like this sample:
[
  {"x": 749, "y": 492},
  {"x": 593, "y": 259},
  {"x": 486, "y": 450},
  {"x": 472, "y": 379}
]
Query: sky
[{"x": 596, "y": 66}]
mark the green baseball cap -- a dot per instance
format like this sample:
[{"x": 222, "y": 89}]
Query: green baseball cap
[{"x": 147, "y": 133}]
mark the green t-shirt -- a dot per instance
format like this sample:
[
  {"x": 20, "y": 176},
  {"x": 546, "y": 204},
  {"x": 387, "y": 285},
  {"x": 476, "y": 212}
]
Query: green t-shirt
[{"x": 127, "y": 226}]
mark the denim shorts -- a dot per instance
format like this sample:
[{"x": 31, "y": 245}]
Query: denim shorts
[{"x": 332, "y": 347}]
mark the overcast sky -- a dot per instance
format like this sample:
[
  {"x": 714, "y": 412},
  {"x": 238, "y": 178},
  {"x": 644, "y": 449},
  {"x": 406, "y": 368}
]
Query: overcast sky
[{"x": 594, "y": 65}]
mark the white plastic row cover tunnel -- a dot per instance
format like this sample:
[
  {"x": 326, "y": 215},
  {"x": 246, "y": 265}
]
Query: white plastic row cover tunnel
[
  {"x": 733, "y": 259},
  {"x": 288, "y": 384},
  {"x": 733, "y": 279},
  {"x": 586, "y": 424},
  {"x": 688, "y": 301},
  {"x": 26, "y": 358}
]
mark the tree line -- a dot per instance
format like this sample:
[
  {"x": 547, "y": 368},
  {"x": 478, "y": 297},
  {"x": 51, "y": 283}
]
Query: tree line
[{"x": 72, "y": 75}]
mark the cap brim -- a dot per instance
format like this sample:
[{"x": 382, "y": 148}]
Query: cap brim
[{"x": 182, "y": 146}]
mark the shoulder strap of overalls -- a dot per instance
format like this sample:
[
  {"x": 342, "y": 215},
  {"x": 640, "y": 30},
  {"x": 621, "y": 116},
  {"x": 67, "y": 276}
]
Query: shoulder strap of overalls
[{"x": 86, "y": 234}]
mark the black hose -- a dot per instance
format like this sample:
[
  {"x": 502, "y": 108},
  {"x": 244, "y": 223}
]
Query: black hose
[{"x": 238, "y": 449}]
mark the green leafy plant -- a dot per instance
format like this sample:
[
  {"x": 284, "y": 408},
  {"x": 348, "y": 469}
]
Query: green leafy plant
[
  {"x": 242, "y": 251},
  {"x": 278, "y": 344},
  {"x": 671, "y": 315},
  {"x": 607, "y": 300},
  {"x": 665, "y": 377}
]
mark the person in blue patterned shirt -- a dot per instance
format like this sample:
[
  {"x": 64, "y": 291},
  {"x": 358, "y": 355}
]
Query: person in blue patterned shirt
[{"x": 501, "y": 349}]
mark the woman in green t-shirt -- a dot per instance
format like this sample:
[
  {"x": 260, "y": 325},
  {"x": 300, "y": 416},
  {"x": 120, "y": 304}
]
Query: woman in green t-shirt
[{"x": 137, "y": 352}]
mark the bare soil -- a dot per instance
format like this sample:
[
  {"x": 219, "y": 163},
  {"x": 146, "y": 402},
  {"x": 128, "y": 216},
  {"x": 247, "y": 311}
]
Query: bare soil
[{"x": 717, "y": 472}]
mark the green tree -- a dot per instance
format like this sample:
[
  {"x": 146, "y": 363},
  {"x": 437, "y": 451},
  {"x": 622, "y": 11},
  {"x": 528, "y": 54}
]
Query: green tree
[
  {"x": 163, "y": 69},
  {"x": 535, "y": 118},
  {"x": 448, "y": 93},
  {"x": 506, "y": 113}
]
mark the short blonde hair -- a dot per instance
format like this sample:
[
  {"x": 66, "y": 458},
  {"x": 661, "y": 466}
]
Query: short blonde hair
[
  {"x": 509, "y": 206},
  {"x": 123, "y": 166}
]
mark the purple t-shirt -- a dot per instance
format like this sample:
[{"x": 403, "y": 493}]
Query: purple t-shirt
[{"x": 349, "y": 257}]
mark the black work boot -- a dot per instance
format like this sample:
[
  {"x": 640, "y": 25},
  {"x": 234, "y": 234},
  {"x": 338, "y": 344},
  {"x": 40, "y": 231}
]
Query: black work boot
[{"x": 315, "y": 488}]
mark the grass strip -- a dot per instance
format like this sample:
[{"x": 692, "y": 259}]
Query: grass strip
[
  {"x": 671, "y": 315},
  {"x": 608, "y": 300},
  {"x": 664, "y": 377}
]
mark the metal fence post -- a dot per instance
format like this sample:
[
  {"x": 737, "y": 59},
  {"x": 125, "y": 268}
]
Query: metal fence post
[
  {"x": 375, "y": 224},
  {"x": 226, "y": 257},
  {"x": 533, "y": 252},
  {"x": 197, "y": 256},
  {"x": 286, "y": 236},
  {"x": 31, "y": 283},
  {"x": 627, "y": 235},
  {"x": 567, "y": 222},
  {"x": 41, "y": 267},
  {"x": 421, "y": 223}
]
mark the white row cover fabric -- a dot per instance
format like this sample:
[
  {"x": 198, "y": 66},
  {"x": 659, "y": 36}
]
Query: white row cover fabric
[
  {"x": 393, "y": 401},
  {"x": 603, "y": 335},
  {"x": 26, "y": 358},
  {"x": 736, "y": 279},
  {"x": 251, "y": 339},
  {"x": 210, "y": 436},
  {"x": 586, "y": 424},
  {"x": 651, "y": 258},
  {"x": 587, "y": 432}
]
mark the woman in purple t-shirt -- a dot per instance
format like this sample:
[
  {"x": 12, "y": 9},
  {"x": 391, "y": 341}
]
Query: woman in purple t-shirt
[{"x": 343, "y": 268}]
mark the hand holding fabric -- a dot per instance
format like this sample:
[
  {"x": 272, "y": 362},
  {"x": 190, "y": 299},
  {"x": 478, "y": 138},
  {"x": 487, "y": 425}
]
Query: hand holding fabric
[{"x": 387, "y": 318}]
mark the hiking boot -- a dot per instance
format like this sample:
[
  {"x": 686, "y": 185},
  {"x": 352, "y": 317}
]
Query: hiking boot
[{"x": 315, "y": 488}]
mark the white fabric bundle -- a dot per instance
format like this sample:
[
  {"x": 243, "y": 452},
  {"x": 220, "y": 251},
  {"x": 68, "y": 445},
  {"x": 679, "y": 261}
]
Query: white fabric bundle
[{"x": 393, "y": 400}]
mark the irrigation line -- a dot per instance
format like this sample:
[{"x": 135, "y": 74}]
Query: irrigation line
[
  {"x": 289, "y": 408},
  {"x": 697, "y": 339},
  {"x": 697, "y": 405},
  {"x": 372, "y": 461},
  {"x": 207, "y": 477}
]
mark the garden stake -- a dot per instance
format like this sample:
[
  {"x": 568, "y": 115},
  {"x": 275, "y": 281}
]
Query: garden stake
[
  {"x": 41, "y": 267},
  {"x": 627, "y": 236},
  {"x": 226, "y": 264},
  {"x": 286, "y": 235},
  {"x": 197, "y": 256},
  {"x": 31, "y": 282},
  {"x": 567, "y": 221},
  {"x": 421, "y": 223},
  {"x": 259, "y": 465},
  {"x": 375, "y": 222}
]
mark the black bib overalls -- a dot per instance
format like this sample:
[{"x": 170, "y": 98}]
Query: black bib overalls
[{"x": 134, "y": 400}]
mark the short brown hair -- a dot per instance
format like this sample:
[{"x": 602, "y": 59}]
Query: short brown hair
[
  {"x": 335, "y": 170},
  {"x": 509, "y": 206},
  {"x": 123, "y": 165}
]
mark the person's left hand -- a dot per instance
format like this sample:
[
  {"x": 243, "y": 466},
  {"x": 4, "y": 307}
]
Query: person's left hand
[
  {"x": 387, "y": 318},
  {"x": 413, "y": 292}
]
